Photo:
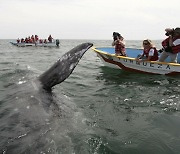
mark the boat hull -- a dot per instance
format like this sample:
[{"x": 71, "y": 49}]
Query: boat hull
[
  {"x": 130, "y": 63},
  {"x": 53, "y": 44}
]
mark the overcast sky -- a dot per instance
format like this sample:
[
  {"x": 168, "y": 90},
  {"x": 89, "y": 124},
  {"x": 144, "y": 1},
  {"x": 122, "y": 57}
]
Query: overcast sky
[{"x": 88, "y": 19}]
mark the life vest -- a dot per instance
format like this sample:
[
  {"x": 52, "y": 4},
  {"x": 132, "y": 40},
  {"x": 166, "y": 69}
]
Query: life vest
[
  {"x": 165, "y": 43},
  {"x": 175, "y": 49},
  {"x": 36, "y": 38},
  {"x": 154, "y": 57},
  {"x": 119, "y": 48}
]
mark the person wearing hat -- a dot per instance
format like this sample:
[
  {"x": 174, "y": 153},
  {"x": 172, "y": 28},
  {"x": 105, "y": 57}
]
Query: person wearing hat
[
  {"x": 171, "y": 45},
  {"x": 118, "y": 42}
]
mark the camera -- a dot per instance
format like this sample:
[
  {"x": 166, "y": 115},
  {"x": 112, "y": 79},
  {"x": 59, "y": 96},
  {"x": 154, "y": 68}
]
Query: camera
[
  {"x": 116, "y": 35},
  {"x": 161, "y": 50},
  {"x": 170, "y": 33},
  {"x": 167, "y": 49}
]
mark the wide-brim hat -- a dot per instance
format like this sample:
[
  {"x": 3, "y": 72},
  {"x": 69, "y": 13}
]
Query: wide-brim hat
[{"x": 177, "y": 30}]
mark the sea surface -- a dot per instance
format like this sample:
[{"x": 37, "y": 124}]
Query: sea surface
[{"x": 114, "y": 112}]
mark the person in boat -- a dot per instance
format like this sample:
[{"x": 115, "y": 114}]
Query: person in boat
[
  {"x": 171, "y": 45},
  {"x": 50, "y": 38},
  {"x": 33, "y": 39},
  {"x": 40, "y": 41},
  {"x": 36, "y": 38},
  {"x": 150, "y": 53},
  {"x": 22, "y": 40},
  {"x": 30, "y": 40},
  {"x": 18, "y": 40},
  {"x": 119, "y": 43},
  {"x": 26, "y": 40},
  {"x": 45, "y": 41}
]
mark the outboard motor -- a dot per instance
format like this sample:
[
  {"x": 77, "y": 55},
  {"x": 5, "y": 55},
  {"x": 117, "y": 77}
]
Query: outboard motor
[{"x": 57, "y": 43}]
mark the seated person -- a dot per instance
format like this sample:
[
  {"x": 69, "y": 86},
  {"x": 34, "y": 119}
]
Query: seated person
[
  {"x": 26, "y": 40},
  {"x": 36, "y": 38},
  {"x": 22, "y": 40},
  {"x": 171, "y": 45},
  {"x": 33, "y": 39},
  {"x": 118, "y": 42},
  {"x": 45, "y": 41},
  {"x": 40, "y": 41},
  {"x": 149, "y": 52}
]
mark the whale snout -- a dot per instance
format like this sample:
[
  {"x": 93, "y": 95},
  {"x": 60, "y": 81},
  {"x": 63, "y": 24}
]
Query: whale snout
[
  {"x": 64, "y": 66},
  {"x": 89, "y": 45}
]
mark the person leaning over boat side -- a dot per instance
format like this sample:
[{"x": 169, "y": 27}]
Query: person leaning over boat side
[
  {"x": 119, "y": 43},
  {"x": 171, "y": 45},
  {"x": 149, "y": 52}
]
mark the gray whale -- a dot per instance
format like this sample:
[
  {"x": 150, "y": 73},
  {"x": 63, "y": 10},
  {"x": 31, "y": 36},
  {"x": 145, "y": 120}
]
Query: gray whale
[{"x": 34, "y": 119}]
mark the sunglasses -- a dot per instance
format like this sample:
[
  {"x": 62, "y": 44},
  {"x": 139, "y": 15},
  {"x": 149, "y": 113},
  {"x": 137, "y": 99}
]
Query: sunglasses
[{"x": 145, "y": 43}]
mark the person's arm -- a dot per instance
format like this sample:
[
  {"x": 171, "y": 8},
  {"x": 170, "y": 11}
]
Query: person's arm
[
  {"x": 165, "y": 42},
  {"x": 139, "y": 58},
  {"x": 122, "y": 43},
  {"x": 170, "y": 41},
  {"x": 113, "y": 43}
]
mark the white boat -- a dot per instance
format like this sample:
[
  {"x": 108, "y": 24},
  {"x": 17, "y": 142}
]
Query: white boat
[
  {"x": 48, "y": 44},
  {"x": 129, "y": 63}
]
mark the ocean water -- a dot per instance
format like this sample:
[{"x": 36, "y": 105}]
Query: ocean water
[{"x": 100, "y": 110}]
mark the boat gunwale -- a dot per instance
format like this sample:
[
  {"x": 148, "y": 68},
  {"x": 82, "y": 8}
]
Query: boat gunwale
[{"x": 123, "y": 57}]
